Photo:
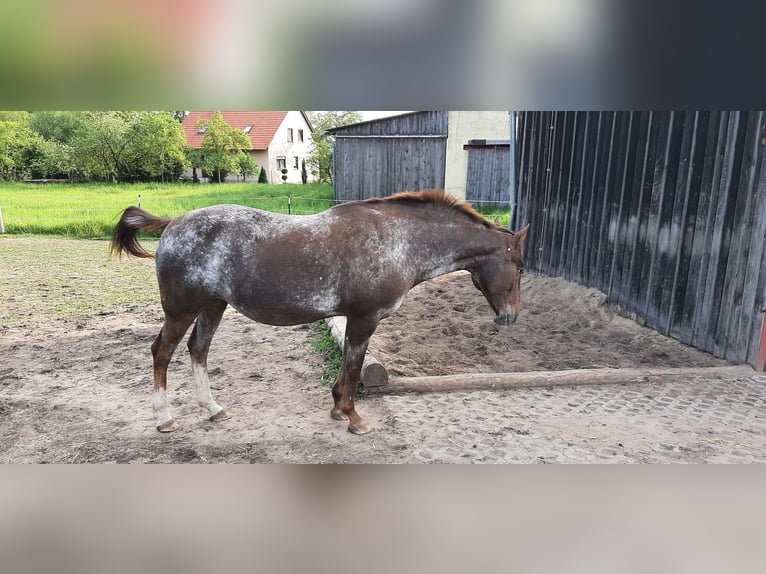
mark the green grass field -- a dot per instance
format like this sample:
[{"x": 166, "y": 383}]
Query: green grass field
[{"x": 92, "y": 210}]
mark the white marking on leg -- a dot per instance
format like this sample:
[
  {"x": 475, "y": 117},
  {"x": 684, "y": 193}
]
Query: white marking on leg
[
  {"x": 160, "y": 406},
  {"x": 204, "y": 398}
]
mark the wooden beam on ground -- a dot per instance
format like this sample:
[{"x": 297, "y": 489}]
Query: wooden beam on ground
[
  {"x": 374, "y": 374},
  {"x": 477, "y": 381}
]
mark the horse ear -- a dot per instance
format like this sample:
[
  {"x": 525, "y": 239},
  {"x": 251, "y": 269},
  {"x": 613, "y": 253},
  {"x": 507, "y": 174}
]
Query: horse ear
[
  {"x": 496, "y": 222},
  {"x": 522, "y": 233}
]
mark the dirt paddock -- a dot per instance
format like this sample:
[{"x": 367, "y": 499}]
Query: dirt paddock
[{"x": 77, "y": 389}]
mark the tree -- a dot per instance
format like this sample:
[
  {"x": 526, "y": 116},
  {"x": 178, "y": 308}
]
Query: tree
[
  {"x": 158, "y": 149},
  {"x": 263, "y": 177},
  {"x": 17, "y": 144},
  {"x": 221, "y": 148},
  {"x": 53, "y": 159},
  {"x": 100, "y": 147},
  {"x": 246, "y": 165},
  {"x": 61, "y": 127},
  {"x": 319, "y": 160},
  {"x": 57, "y": 132},
  {"x": 131, "y": 146}
]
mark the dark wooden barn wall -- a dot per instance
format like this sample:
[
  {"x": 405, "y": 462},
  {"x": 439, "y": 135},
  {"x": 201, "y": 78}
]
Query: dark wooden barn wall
[
  {"x": 380, "y": 158},
  {"x": 488, "y": 176},
  {"x": 665, "y": 212}
]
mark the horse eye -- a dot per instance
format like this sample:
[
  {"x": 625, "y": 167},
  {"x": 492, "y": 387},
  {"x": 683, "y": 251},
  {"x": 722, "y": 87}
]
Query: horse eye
[{"x": 520, "y": 270}]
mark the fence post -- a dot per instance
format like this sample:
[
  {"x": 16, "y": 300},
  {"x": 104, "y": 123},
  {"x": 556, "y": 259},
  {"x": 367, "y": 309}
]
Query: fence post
[
  {"x": 2, "y": 226},
  {"x": 139, "y": 201},
  {"x": 289, "y": 204}
]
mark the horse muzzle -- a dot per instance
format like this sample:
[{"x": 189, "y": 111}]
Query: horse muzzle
[{"x": 506, "y": 319}]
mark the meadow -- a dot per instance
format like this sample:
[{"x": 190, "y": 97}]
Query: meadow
[{"x": 92, "y": 210}]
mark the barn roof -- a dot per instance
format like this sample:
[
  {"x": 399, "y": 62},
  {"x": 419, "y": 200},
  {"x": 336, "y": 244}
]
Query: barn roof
[
  {"x": 264, "y": 126},
  {"x": 386, "y": 119},
  {"x": 423, "y": 123}
]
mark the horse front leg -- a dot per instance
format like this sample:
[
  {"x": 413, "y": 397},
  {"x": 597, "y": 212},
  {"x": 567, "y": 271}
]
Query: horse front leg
[{"x": 358, "y": 333}]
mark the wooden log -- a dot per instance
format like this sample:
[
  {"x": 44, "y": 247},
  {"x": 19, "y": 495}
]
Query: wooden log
[
  {"x": 476, "y": 381},
  {"x": 374, "y": 374}
]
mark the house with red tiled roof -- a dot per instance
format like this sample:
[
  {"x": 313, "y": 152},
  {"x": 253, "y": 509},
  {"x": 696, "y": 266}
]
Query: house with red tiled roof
[{"x": 279, "y": 139}]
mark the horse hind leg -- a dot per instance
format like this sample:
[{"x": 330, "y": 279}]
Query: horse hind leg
[
  {"x": 163, "y": 348},
  {"x": 199, "y": 345}
]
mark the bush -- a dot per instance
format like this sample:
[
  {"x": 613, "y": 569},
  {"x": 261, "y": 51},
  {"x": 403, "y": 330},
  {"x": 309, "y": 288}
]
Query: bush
[
  {"x": 262, "y": 177},
  {"x": 214, "y": 176}
]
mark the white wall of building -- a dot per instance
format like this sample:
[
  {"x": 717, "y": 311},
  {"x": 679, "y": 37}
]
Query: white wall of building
[{"x": 281, "y": 147}]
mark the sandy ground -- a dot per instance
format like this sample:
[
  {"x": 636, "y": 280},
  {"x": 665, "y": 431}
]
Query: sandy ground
[
  {"x": 445, "y": 327},
  {"x": 78, "y": 389}
]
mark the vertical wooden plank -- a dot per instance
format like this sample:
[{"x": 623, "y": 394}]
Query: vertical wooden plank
[
  {"x": 677, "y": 222},
  {"x": 719, "y": 254},
  {"x": 755, "y": 286},
  {"x": 659, "y": 183},
  {"x": 595, "y": 192},
  {"x": 734, "y": 347},
  {"x": 668, "y": 232},
  {"x": 565, "y": 198},
  {"x": 538, "y": 189},
  {"x": 523, "y": 145},
  {"x": 544, "y": 245},
  {"x": 585, "y": 150},
  {"x": 687, "y": 270},
  {"x": 528, "y": 187},
  {"x": 589, "y": 168},
  {"x": 631, "y": 220},
  {"x": 698, "y": 315},
  {"x": 602, "y": 252},
  {"x": 470, "y": 183},
  {"x": 642, "y": 250},
  {"x": 554, "y": 200},
  {"x": 617, "y": 228},
  {"x": 723, "y": 300}
]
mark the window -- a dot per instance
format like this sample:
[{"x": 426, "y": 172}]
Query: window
[
  {"x": 289, "y": 135},
  {"x": 296, "y": 163},
  {"x": 281, "y": 162},
  {"x": 300, "y": 136},
  {"x": 203, "y": 130},
  {"x": 248, "y": 128}
]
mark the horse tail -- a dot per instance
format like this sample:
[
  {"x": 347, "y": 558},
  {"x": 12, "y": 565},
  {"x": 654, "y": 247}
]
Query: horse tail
[{"x": 132, "y": 221}]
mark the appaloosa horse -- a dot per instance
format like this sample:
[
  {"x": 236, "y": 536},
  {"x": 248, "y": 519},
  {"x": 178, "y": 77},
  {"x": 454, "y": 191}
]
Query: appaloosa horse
[{"x": 357, "y": 259}]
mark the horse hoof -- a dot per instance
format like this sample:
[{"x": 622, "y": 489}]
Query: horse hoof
[
  {"x": 168, "y": 426},
  {"x": 360, "y": 428},
  {"x": 221, "y": 415},
  {"x": 338, "y": 415}
]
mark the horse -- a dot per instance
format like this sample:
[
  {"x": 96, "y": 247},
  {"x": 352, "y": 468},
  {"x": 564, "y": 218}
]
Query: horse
[{"x": 357, "y": 259}]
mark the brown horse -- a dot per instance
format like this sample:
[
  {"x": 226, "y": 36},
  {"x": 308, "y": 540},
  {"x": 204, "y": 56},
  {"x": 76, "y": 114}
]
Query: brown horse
[{"x": 357, "y": 259}]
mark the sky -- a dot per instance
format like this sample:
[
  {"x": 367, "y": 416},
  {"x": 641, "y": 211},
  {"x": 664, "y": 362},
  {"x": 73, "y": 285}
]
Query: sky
[{"x": 377, "y": 115}]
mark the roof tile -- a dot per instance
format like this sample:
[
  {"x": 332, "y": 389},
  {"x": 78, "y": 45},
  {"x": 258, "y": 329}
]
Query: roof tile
[{"x": 265, "y": 125}]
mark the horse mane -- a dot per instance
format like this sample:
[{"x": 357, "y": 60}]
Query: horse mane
[{"x": 437, "y": 198}]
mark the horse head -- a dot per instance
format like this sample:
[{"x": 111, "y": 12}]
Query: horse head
[{"x": 498, "y": 277}]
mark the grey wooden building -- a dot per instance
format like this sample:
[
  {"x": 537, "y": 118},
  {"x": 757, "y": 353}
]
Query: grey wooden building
[{"x": 422, "y": 150}]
